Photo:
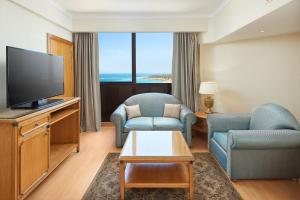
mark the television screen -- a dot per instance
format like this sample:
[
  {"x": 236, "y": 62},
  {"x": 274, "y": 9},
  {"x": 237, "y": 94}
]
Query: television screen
[{"x": 32, "y": 76}]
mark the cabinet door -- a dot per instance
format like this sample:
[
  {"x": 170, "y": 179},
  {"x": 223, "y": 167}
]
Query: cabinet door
[{"x": 34, "y": 158}]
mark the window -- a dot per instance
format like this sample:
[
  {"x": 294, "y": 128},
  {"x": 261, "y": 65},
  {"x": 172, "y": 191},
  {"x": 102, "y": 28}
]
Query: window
[
  {"x": 136, "y": 57},
  {"x": 154, "y": 57},
  {"x": 115, "y": 57}
]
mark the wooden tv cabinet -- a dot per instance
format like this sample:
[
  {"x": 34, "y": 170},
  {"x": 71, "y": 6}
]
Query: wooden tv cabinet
[{"x": 33, "y": 143}]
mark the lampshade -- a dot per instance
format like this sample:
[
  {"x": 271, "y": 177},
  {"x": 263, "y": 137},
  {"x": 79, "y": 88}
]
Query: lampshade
[{"x": 208, "y": 88}]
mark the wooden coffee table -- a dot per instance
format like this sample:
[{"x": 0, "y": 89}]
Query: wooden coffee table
[{"x": 156, "y": 159}]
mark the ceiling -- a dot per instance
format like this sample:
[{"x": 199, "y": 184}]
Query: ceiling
[
  {"x": 284, "y": 20},
  {"x": 142, "y": 8}
]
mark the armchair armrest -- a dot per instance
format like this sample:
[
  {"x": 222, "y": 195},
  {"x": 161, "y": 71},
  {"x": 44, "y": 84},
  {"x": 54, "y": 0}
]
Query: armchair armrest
[
  {"x": 187, "y": 116},
  {"x": 226, "y": 122},
  {"x": 118, "y": 117},
  {"x": 263, "y": 139}
]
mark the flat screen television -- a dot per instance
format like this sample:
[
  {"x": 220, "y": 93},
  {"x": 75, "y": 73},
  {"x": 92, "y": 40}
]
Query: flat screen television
[{"x": 32, "y": 77}]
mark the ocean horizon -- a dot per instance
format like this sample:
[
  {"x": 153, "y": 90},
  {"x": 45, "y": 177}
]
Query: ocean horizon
[{"x": 127, "y": 77}]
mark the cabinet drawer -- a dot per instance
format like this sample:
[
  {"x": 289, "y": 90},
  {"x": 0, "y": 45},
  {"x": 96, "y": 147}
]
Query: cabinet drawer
[{"x": 33, "y": 125}]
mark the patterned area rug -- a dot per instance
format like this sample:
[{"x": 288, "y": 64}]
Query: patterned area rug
[{"x": 210, "y": 183}]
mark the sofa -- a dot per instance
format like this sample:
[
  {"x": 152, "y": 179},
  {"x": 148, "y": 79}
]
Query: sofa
[
  {"x": 152, "y": 109},
  {"x": 261, "y": 145}
]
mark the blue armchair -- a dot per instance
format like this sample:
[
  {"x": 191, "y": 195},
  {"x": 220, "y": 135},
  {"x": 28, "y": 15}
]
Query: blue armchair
[
  {"x": 261, "y": 145},
  {"x": 152, "y": 109}
]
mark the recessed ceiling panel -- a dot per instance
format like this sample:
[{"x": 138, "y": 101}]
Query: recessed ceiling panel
[{"x": 189, "y": 7}]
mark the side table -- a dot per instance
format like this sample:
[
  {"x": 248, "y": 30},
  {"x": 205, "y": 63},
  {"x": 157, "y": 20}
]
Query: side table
[{"x": 201, "y": 125}]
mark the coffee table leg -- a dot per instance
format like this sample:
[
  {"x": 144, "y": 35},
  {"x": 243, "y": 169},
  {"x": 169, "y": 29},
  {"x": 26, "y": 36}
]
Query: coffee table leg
[
  {"x": 122, "y": 180},
  {"x": 191, "y": 179}
]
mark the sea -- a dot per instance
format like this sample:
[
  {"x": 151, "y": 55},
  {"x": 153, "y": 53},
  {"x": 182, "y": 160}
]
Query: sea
[{"x": 124, "y": 77}]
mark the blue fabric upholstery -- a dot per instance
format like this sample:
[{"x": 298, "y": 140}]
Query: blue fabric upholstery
[
  {"x": 263, "y": 145},
  {"x": 224, "y": 123},
  {"x": 152, "y": 108},
  {"x": 272, "y": 117},
  {"x": 152, "y": 104},
  {"x": 165, "y": 123},
  {"x": 139, "y": 123},
  {"x": 219, "y": 153},
  {"x": 221, "y": 139},
  {"x": 119, "y": 117},
  {"x": 265, "y": 139}
]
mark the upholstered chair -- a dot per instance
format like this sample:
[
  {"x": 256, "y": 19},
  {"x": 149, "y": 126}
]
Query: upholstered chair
[
  {"x": 152, "y": 110},
  {"x": 261, "y": 145}
]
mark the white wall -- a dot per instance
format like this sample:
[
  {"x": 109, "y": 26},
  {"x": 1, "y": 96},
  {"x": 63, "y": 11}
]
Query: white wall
[
  {"x": 49, "y": 10},
  {"x": 253, "y": 72},
  {"x": 21, "y": 28}
]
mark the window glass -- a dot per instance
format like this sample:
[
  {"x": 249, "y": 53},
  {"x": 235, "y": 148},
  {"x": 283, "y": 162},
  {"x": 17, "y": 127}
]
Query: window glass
[
  {"x": 115, "y": 57},
  {"x": 154, "y": 57}
]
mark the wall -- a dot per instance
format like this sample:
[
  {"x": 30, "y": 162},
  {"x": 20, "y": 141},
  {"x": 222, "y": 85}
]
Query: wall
[
  {"x": 49, "y": 10},
  {"x": 253, "y": 72},
  {"x": 21, "y": 28}
]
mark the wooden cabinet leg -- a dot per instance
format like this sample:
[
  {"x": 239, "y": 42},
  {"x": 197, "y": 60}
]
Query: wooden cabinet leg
[
  {"x": 191, "y": 179},
  {"x": 122, "y": 180}
]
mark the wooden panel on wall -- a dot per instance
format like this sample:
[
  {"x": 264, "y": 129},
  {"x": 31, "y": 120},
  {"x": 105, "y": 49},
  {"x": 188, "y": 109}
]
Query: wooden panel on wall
[
  {"x": 113, "y": 94},
  {"x": 61, "y": 47}
]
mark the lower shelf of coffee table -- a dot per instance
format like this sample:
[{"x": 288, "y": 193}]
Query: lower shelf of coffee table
[{"x": 156, "y": 175}]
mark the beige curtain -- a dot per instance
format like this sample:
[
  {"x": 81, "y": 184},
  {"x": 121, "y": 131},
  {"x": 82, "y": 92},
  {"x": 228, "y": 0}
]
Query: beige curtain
[
  {"x": 86, "y": 56},
  {"x": 185, "y": 71}
]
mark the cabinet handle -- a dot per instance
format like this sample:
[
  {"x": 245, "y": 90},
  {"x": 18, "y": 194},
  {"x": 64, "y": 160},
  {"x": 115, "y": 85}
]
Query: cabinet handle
[{"x": 47, "y": 126}]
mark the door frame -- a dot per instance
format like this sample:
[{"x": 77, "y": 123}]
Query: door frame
[{"x": 54, "y": 37}]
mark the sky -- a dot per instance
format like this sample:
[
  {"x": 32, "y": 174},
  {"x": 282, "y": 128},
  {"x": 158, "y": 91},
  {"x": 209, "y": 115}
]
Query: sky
[{"x": 153, "y": 51}]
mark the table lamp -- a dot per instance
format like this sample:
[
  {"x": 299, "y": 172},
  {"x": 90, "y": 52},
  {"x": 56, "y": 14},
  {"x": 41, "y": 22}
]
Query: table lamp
[{"x": 208, "y": 88}]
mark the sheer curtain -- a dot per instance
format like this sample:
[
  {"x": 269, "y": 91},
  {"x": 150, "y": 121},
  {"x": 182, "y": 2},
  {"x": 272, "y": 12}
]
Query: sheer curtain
[
  {"x": 185, "y": 69},
  {"x": 87, "y": 86}
]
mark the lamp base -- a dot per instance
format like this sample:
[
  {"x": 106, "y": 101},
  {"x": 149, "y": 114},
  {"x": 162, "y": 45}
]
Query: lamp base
[
  {"x": 208, "y": 111},
  {"x": 209, "y": 103}
]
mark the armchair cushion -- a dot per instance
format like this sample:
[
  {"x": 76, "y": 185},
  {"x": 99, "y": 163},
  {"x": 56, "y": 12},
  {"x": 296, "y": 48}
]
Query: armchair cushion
[
  {"x": 264, "y": 139},
  {"x": 172, "y": 110},
  {"x": 139, "y": 123},
  {"x": 166, "y": 123},
  {"x": 221, "y": 139},
  {"x": 133, "y": 111}
]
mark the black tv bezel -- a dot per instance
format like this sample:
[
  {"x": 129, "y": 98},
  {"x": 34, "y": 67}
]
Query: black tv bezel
[{"x": 8, "y": 105}]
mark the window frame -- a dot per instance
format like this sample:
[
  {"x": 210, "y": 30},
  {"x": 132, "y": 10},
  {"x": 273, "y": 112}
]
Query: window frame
[{"x": 133, "y": 68}]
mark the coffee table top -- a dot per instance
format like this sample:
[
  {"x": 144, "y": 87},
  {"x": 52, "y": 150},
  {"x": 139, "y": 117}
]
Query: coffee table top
[{"x": 155, "y": 146}]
